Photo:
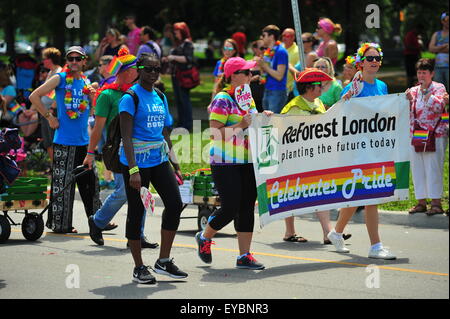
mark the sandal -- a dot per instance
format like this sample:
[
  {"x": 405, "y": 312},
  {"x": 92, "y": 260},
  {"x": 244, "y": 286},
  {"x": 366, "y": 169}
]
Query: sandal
[
  {"x": 296, "y": 239},
  {"x": 435, "y": 209},
  {"x": 110, "y": 226},
  {"x": 419, "y": 208}
]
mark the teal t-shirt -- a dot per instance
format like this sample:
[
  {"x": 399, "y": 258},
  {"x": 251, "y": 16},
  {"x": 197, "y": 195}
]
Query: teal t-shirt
[
  {"x": 150, "y": 118},
  {"x": 72, "y": 132}
]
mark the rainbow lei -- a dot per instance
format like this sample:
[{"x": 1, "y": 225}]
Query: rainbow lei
[
  {"x": 72, "y": 112},
  {"x": 222, "y": 64},
  {"x": 269, "y": 53}
]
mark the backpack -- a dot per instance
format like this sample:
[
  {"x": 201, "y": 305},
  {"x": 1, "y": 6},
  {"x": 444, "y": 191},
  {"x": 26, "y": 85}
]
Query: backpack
[{"x": 114, "y": 138}]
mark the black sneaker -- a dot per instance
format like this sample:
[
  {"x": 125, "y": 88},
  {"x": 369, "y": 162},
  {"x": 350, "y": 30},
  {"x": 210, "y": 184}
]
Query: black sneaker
[
  {"x": 168, "y": 268},
  {"x": 204, "y": 248},
  {"x": 142, "y": 275},
  {"x": 95, "y": 232},
  {"x": 146, "y": 244},
  {"x": 249, "y": 262}
]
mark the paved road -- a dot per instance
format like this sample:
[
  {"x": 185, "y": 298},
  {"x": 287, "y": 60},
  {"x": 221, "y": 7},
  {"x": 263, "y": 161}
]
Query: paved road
[{"x": 48, "y": 268}]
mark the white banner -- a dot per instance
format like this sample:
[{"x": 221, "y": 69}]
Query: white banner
[{"x": 355, "y": 154}]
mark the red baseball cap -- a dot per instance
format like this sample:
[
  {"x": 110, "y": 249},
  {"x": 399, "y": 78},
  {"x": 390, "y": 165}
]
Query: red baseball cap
[
  {"x": 235, "y": 64},
  {"x": 312, "y": 75}
]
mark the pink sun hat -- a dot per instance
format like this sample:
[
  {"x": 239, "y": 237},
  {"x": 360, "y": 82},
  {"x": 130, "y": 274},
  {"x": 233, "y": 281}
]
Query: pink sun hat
[{"x": 235, "y": 64}]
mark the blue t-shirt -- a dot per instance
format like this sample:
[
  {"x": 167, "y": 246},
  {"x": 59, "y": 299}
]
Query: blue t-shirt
[
  {"x": 152, "y": 115},
  {"x": 378, "y": 88},
  {"x": 10, "y": 91},
  {"x": 72, "y": 132},
  {"x": 280, "y": 57},
  {"x": 216, "y": 71}
]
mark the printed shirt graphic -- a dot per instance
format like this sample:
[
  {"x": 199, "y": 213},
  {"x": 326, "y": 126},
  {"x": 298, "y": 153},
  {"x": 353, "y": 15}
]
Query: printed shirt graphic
[
  {"x": 71, "y": 132},
  {"x": 151, "y": 117},
  {"x": 236, "y": 150}
]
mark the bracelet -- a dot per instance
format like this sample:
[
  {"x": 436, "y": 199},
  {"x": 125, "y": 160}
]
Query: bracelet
[
  {"x": 90, "y": 153},
  {"x": 47, "y": 115},
  {"x": 133, "y": 170}
]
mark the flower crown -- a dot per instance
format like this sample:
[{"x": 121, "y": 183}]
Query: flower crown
[
  {"x": 350, "y": 60},
  {"x": 360, "y": 53}
]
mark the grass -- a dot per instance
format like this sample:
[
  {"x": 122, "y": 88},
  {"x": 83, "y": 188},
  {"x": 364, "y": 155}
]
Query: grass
[{"x": 201, "y": 96}]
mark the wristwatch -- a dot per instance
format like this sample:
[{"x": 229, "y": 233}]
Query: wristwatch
[{"x": 47, "y": 115}]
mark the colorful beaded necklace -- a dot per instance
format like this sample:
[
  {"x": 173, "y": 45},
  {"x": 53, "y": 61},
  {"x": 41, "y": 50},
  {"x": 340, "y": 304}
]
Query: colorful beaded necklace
[
  {"x": 269, "y": 53},
  {"x": 72, "y": 112}
]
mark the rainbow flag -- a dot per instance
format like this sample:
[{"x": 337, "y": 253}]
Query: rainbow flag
[
  {"x": 328, "y": 186},
  {"x": 421, "y": 135},
  {"x": 52, "y": 95},
  {"x": 444, "y": 117},
  {"x": 114, "y": 66},
  {"x": 16, "y": 108}
]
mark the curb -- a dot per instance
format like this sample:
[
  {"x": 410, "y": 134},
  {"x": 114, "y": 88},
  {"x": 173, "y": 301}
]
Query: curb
[{"x": 419, "y": 220}]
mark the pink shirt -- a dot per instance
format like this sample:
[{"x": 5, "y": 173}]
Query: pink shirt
[
  {"x": 133, "y": 40},
  {"x": 428, "y": 112},
  {"x": 321, "y": 51}
]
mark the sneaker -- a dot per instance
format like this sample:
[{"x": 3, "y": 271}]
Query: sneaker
[
  {"x": 338, "y": 242},
  {"x": 382, "y": 253},
  {"x": 143, "y": 276},
  {"x": 146, "y": 244},
  {"x": 168, "y": 268},
  {"x": 249, "y": 262},
  {"x": 204, "y": 248},
  {"x": 95, "y": 232}
]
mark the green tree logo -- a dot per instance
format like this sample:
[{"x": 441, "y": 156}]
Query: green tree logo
[{"x": 268, "y": 150}]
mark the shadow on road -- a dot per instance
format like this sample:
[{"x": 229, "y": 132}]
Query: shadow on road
[{"x": 134, "y": 291}]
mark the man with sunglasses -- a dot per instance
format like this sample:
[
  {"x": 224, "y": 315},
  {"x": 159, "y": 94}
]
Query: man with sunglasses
[
  {"x": 73, "y": 92},
  {"x": 274, "y": 64},
  {"x": 288, "y": 39}
]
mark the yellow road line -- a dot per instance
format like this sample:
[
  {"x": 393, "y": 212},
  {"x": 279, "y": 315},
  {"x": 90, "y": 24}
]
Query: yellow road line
[{"x": 424, "y": 272}]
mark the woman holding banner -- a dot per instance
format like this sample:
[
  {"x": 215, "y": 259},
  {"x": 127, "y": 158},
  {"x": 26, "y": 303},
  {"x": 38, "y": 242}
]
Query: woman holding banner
[
  {"x": 231, "y": 164},
  {"x": 309, "y": 84},
  {"x": 427, "y": 102},
  {"x": 368, "y": 61}
]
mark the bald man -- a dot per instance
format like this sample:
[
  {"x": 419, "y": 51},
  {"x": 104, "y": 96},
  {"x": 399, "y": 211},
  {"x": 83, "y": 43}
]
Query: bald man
[{"x": 288, "y": 39}]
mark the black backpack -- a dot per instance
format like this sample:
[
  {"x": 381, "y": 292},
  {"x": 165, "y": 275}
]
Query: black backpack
[{"x": 113, "y": 140}]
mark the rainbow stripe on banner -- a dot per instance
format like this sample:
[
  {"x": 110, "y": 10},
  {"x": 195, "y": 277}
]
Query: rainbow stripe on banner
[
  {"x": 327, "y": 186},
  {"x": 444, "y": 117},
  {"x": 421, "y": 135}
]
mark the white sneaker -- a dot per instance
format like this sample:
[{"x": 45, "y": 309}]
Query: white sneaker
[
  {"x": 382, "y": 253},
  {"x": 338, "y": 242}
]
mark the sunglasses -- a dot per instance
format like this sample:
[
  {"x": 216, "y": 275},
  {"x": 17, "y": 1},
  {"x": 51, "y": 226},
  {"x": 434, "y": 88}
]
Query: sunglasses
[
  {"x": 228, "y": 48},
  {"x": 263, "y": 48},
  {"x": 75, "y": 58},
  {"x": 306, "y": 41},
  {"x": 245, "y": 72},
  {"x": 319, "y": 84},
  {"x": 370, "y": 58},
  {"x": 150, "y": 69}
]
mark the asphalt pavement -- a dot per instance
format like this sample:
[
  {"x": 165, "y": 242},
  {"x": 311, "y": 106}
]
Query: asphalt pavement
[{"x": 71, "y": 266}]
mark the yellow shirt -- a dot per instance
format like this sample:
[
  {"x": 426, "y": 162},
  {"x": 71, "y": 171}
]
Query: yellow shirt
[
  {"x": 293, "y": 59},
  {"x": 301, "y": 106}
]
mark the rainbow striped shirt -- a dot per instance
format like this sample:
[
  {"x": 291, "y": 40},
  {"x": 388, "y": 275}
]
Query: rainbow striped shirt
[{"x": 232, "y": 149}]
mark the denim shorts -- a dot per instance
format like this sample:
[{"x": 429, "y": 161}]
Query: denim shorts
[{"x": 274, "y": 100}]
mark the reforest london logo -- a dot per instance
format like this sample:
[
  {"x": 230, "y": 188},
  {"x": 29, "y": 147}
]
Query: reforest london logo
[{"x": 268, "y": 150}]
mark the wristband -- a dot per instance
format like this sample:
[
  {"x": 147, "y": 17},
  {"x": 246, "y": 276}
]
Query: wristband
[
  {"x": 47, "y": 115},
  {"x": 90, "y": 153},
  {"x": 133, "y": 170}
]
